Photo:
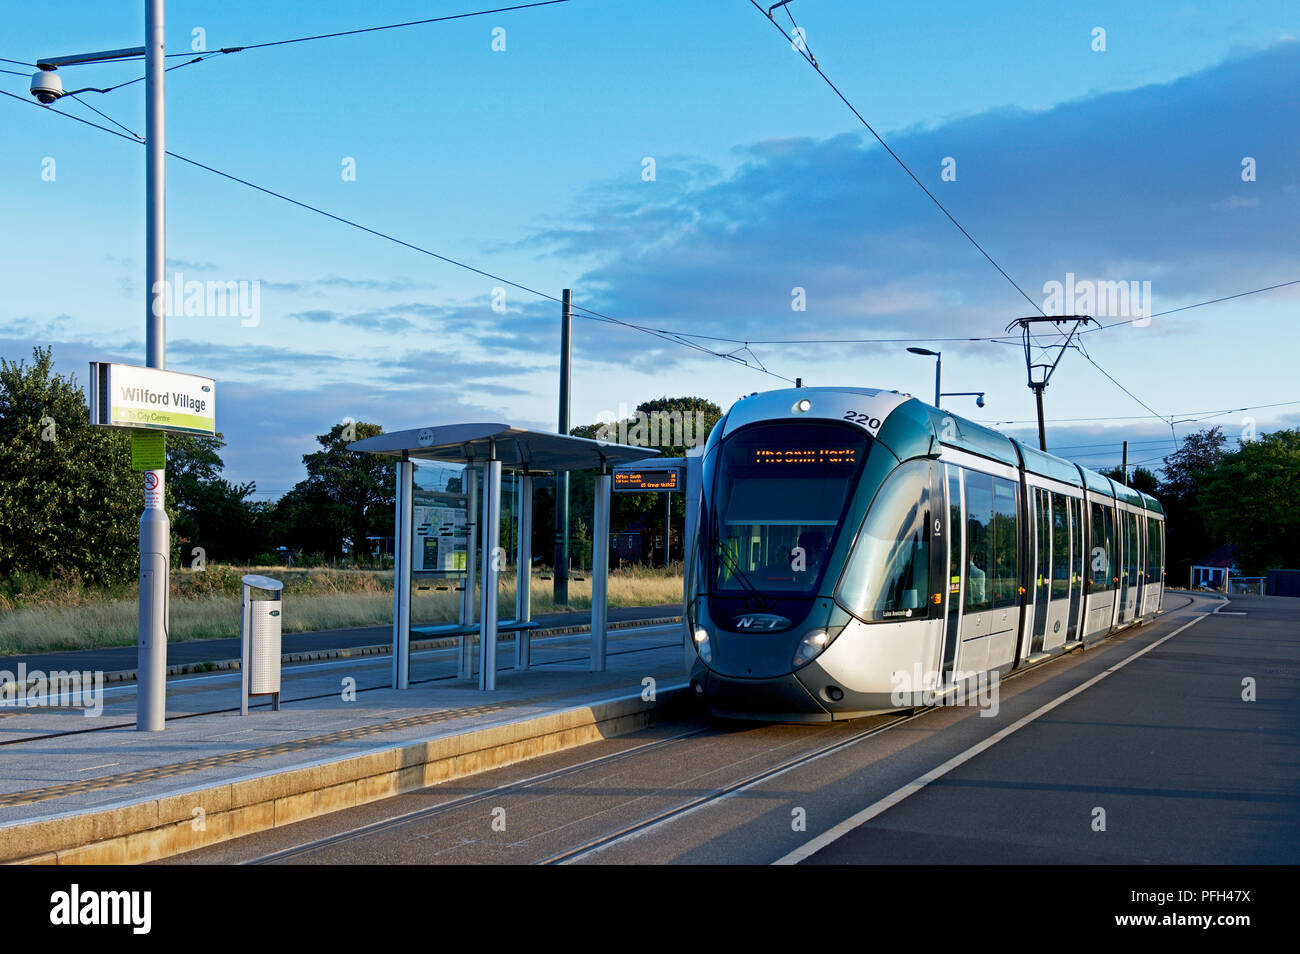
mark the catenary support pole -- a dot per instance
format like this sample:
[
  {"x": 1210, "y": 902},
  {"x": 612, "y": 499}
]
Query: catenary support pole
[
  {"x": 155, "y": 529},
  {"x": 561, "y": 584},
  {"x": 600, "y": 571},
  {"x": 668, "y": 525},
  {"x": 1042, "y": 429}
]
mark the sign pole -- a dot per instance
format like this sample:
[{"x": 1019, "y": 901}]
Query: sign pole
[
  {"x": 668, "y": 524},
  {"x": 155, "y": 530}
]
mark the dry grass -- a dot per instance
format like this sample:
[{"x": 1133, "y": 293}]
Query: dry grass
[{"x": 206, "y": 605}]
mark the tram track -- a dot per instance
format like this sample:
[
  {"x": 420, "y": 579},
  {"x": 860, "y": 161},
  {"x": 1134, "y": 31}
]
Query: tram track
[
  {"x": 635, "y": 827},
  {"x": 463, "y": 801},
  {"x": 639, "y": 828}
]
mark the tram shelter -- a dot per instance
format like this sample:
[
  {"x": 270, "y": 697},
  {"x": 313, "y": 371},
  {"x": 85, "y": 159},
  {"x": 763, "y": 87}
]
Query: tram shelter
[{"x": 486, "y": 451}]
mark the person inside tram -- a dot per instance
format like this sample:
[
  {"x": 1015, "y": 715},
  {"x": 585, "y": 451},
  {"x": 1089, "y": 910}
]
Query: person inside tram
[
  {"x": 975, "y": 576},
  {"x": 804, "y": 562},
  {"x": 813, "y": 545}
]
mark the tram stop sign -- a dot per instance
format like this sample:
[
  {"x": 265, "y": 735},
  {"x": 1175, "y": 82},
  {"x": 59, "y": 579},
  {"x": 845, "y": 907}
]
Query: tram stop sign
[{"x": 125, "y": 395}]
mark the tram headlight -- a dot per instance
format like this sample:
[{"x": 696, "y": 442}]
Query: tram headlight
[
  {"x": 810, "y": 647},
  {"x": 703, "y": 645}
]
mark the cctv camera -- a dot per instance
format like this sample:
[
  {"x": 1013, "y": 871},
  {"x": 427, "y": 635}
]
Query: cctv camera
[
  {"x": 46, "y": 86},
  {"x": 979, "y": 401}
]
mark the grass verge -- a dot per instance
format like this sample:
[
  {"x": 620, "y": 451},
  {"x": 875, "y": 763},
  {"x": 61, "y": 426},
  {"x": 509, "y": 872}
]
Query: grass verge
[{"x": 206, "y": 605}]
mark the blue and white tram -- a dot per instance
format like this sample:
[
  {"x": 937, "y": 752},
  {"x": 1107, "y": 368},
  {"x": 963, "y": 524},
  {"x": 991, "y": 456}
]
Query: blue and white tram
[{"x": 850, "y": 541}]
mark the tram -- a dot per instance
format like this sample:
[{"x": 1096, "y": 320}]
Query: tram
[{"x": 850, "y": 541}]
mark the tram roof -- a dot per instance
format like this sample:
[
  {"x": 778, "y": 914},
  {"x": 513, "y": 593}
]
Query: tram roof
[
  {"x": 958, "y": 432},
  {"x": 1046, "y": 465},
  {"x": 968, "y": 436},
  {"x": 516, "y": 447}
]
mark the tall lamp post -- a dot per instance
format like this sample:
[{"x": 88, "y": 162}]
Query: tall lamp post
[
  {"x": 938, "y": 370},
  {"x": 155, "y": 529}
]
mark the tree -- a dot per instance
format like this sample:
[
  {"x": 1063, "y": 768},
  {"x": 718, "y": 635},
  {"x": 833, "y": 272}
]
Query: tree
[
  {"x": 346, "y": 497},
  {"x": 211, "y": 512},
  {"x": 1186, "y": 536},
  {"x": 1140, "y": 479},
  {"x": 1251, "y": 499},
  {"x": 672, "y": 426},
  {"x": 69, "y": 501}
]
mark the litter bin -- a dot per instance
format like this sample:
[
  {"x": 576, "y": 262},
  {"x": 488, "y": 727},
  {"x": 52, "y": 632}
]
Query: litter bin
[{"x": 260, "y": 650}]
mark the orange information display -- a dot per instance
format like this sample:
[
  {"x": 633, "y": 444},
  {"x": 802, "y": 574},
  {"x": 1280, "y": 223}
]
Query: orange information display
[{"x": 646, "y": 480}]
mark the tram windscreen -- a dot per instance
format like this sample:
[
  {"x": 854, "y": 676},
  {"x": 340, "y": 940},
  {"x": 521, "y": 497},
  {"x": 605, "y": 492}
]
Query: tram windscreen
[{"x": 779, "y": 497}]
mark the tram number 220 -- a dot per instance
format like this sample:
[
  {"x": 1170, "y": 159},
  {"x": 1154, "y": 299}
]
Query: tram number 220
[{"x": 866, "y": 420}]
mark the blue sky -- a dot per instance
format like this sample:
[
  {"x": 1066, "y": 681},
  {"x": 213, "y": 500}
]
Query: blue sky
[{"x": 1122, "y": 165}]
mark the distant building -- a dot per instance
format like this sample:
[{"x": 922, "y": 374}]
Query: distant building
[{"x": 1215, "y": 569}]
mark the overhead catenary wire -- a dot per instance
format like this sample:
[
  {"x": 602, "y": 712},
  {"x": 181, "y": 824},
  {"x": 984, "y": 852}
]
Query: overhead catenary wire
[
  {"x": 105, "y": 116},
  {"x": 802, "y": 51},
  {"x": 1192, "y": 415},
  {"x": 141, "y": 79},
  {"x": 389, "y": 26},
  {"x": 1112, "y": 379},
  {"x": 684, "y": 338},
  {"x": 205, "y": 54},
  {"x": 1199, "y": 304},
  {"x": 585, "y": 313}
]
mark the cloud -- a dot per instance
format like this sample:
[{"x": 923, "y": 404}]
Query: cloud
[
  {"x": 1125, "y": 186},
  {"x": 398, "y": 284}
]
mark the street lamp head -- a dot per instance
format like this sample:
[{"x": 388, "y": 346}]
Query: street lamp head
[
  {"x": 926, "y": 351},
  {"x": 46, "y": 86}
]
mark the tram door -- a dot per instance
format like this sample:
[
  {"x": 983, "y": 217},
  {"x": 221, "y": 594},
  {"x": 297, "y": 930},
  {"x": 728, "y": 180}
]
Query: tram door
[
  {"x": 1076, "y": 567},
  {"x": 1121, "y": 553},
  {"x": 956, "y": 544},
  {"x": 1059, "y": 606},
  {"x": 1102, "y": 569},
  {"x": 1132, "y": 564},
  {"x": 1139, "y": 561},
  {"x": 1042, "y": 566},
  {"x": 991, "y": 573}
]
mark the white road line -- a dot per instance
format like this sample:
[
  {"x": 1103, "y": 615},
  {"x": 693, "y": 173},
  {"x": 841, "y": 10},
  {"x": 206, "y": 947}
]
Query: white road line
[{"x": 911, "y": 788}]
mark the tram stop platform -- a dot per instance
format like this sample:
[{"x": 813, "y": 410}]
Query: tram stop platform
[{"x": 93, "y": 790}]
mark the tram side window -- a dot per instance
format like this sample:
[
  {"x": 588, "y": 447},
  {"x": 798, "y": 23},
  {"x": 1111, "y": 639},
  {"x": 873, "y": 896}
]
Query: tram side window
[
  {"x": 1006, "y": 544},
  {"x": 1154, "y": 557},
  {"x": 980, "y": 539},
  {"x": 888, "y": 572},
  {"x": 1060, "y": 547},
  {"x": 1131, "y": 548},
  {"x": 1101, "y": 557}
]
